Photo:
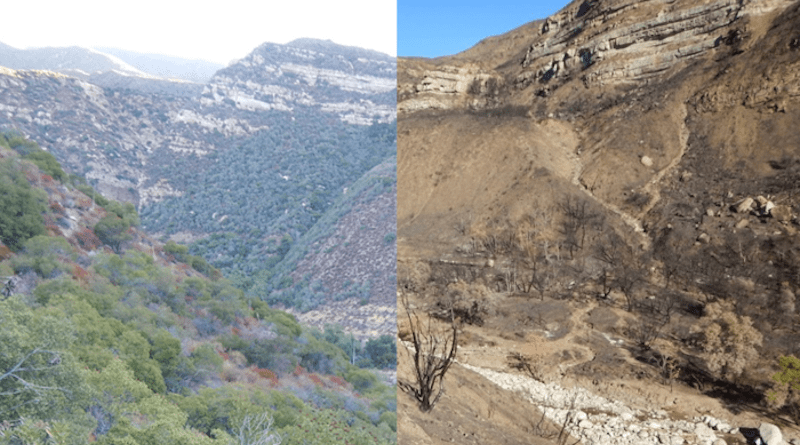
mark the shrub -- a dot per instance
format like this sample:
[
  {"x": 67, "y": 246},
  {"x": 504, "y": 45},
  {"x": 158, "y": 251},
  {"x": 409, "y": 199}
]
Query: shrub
[
  {"x": 390, "y": 419},
  {"x": 91, "y": 193},
  {"x": 285, "y": 323},
  {"x": 43, "y": 255},
  {"x": 48, "y": 164},
  {"x": 31, "y": 151},
  {"x": 21, "y": 208},
  {"x": 178, "y": 250},
  {"x": 788, "y": 387},
  {"x": 728, "y": 341},
  {"x": 361, "y": 379},
  {"x": 113, "y": 231},
  {"x": 87, "y": 240}
]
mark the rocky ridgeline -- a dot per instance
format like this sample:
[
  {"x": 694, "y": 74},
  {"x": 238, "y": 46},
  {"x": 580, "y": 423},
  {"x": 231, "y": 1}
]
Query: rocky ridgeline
[
  {"x": 119, "y": 134},
  {"x": 602, "y": 42},
  {"x": 600, "y": 421},
  {"x": 633, "y": 47},
  {"x": 448, "y": 86},
  {"x": 350, "y": 82}
]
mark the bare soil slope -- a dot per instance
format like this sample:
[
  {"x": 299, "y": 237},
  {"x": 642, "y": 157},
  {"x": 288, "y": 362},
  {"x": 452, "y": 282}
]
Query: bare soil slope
[{"x": 577, "y": 184}]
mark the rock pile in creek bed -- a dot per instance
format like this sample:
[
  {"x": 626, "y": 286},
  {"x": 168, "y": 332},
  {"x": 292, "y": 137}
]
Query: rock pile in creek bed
[{"x": 599, "y": 421}]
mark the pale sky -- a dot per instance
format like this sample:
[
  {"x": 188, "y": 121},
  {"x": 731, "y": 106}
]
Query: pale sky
[{"x": 220, "y": 33}]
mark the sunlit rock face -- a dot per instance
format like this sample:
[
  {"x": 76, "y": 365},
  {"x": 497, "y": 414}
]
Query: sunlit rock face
[
  {"x": 609, "y": 42},
  {"x": 117, "y": 126},
  {"x": 356, "y": 84}
]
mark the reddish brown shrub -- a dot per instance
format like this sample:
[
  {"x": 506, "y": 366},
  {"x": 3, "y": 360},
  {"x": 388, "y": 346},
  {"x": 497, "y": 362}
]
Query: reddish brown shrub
[
  {"x": 83, "y": 203},
  {"x": 80, "y": 274},
  {"x": 87, "y": 239},
  {"x": 5, "y": 252},
  {"x": 316, "y": 379},
  {"x": 336, "y": 380},
  {"x": 56, "y": 207}
]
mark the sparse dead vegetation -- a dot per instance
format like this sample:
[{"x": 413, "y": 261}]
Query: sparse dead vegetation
[
  {"x": 526, "y": 364},
  {"x": 434, "y": 350},
  {"x": 729, "y": 342},
  {"x": 667, "y": 280}
]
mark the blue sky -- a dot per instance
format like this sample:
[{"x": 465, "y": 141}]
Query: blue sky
[{"x": 433, "y": 28}]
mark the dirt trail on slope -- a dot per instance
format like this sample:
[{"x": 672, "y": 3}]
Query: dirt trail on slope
[{"x": 487, "y": 402}]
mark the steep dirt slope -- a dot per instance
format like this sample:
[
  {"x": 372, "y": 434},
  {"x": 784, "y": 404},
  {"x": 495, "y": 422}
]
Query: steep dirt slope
[
  {"x": 661, "y": 116},
  {"x": 616, "y": 121},
  {"x": 456, "y": 174}
]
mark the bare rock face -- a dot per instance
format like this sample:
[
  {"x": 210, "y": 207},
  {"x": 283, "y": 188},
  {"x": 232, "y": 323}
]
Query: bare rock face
[
  {"x": 771, "y": 434},
  {"x": 599, "y": 42},
  {"x": 744, "y": 205},
  {"x": 447, "y": 87},
  {"x": 281, "y": 77},
  {"x": 781, "y": 213},
  {"x": 635, "y": 48}
]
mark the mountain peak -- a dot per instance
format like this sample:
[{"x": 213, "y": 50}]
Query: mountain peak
[
  {"x": 328, "y": 45},
  {"x": 310, "y": 72}
]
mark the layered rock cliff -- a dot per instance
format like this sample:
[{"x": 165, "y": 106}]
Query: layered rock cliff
[
  {"x": 628, "y": 76},
  {"x": 593, "y": 42}
]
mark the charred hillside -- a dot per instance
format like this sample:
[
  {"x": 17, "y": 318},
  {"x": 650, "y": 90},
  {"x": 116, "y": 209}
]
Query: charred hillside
[{"x": 617, "y": 185}]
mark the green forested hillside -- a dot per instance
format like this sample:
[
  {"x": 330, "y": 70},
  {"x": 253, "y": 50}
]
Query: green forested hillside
[
  {"x": 253, "y": 201},
  {"x": 110, "y": 337}
]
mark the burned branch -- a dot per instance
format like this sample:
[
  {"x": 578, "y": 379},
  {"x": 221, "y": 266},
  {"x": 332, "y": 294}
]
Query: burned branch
[{"x": 433, "y": 354}]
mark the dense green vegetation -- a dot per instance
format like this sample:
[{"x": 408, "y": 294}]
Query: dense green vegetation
[
  {"x": 21, "y": 207},
  {"x": 273, "y": 283},
  {"x": 133, "y": 346},
  {"x": 31, "y": 151},
  {"x": 266, "y": 193}
]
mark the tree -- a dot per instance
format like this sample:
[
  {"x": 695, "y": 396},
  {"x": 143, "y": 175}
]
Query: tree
[
  {"x": 534, "y": 249},
  {"x": 623, "y": 268},
  {"x": 382, "y": 351},
  {"x": 113, "y": 231},
  {"x": 434, "y": 353},
  {"x": 626, "y": 280},
  {"x": 125, "y": 211},
  {"x": 728, "y": 341},
  {"x": 656, "y": 314},
  {"x": 21, "y": 208},
  {"x": 788, "y": 381},
  {"x": 577, "y": 217},
  {"x": 256, "y": 429},
  {"x": 38, "y": 377}
]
